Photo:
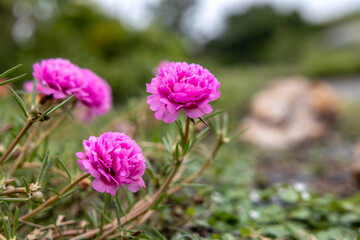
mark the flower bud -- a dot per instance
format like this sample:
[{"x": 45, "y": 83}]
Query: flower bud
[
  {"x": 37, "y": 197},
  {"x": 34, "y": 187}
]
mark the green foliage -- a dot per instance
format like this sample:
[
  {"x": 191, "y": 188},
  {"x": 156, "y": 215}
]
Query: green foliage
[
  {"x": 36, "y": 192},
  {"x": 20, "y": 102},
  {"x": 34, "y": 94},
  {"x": 10, "y": 223},
  {"x": 60, "y": 105},
  {"x": 4, "y": 74},
  {"x": 334, "y": 62},
  {"x": 262, "y": 34},
  {"x": 223, "y": 203},
  {"x": 44, "y": 170},
  {"x": 63, "y": 165},
  {"x": 283, "y": 212}
]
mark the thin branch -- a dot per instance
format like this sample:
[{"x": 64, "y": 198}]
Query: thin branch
[
  {"x": 14, "y": 190},
  {"x": 187, "y": 127},
  {"x": 31, "y": 224},
  {"x": 54, "y": 198},
  {"x": 141, "y": 207},
  {"x": 28, "y": 124},
  {"x": 115, "y": 235},
  {"x": 67, "y": 233},
  {"x": 25, "y": 148},
  {"x": 205, "y": 164},
  {"x": 106, "y": 234},
  {"x": 187, "y": 181},
  {"x": 142, "y": 219}
]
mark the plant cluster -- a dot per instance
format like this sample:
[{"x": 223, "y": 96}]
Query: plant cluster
[{"x": 134, "y": 184}]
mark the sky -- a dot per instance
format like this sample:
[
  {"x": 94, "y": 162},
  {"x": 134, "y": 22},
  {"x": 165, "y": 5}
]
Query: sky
[{"x": 207, "y": 19}]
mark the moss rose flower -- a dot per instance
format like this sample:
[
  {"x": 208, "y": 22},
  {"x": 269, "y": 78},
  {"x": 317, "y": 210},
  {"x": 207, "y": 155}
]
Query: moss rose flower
[
  {"x": 179, "y": 85},
  {"x": 113, "y": 159},
  {"x": 99, "y": 98},
  {"x": 60, "y": 78}
]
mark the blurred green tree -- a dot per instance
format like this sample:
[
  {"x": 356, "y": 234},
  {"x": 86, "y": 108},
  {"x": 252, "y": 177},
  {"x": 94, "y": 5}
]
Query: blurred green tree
[
  {"x": 261, "y": 35},
  {"x": 171, "y": 13}
]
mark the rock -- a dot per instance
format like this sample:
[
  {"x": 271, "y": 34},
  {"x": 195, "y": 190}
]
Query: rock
[
  {"x": 289, "y": 112},
  {"x": 274, "y": 105},
  {"x": 324, "y": 100}
]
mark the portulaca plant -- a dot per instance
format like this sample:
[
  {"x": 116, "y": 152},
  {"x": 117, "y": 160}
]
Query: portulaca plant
[{"x": 113, "y": 163}]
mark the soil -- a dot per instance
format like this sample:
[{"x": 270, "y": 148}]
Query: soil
[{"x": 324, "y": 166}]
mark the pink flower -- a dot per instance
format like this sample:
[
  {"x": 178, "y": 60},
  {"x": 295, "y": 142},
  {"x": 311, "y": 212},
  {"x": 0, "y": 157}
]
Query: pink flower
[
  {"x": 161, "y": 64},
  {"x": 99, "y": 98},
  {"x": 61, "y": 79},
  {"x": 113, "y": 159},
  {"x": 180, "y": 86}
]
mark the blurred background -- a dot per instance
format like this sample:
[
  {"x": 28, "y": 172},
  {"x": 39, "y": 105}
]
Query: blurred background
[
  {"x": 123, "y": 40},
  {"x": 289, "y": 73}
]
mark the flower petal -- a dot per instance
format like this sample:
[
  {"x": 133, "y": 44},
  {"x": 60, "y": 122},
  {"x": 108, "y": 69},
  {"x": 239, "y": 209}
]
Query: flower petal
[{"x": 135, "y": 186}]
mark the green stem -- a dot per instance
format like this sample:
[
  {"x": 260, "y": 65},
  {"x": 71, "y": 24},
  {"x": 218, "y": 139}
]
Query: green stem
[
  {"x": 186, "y": 133},
  {"x": 28, "y": 124},
  {"x": 24, "y": 149},
  {"x": 188, "y": 180},
  {"x": 205, "y": 164},
  {"x": 143, "y": 207}
]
